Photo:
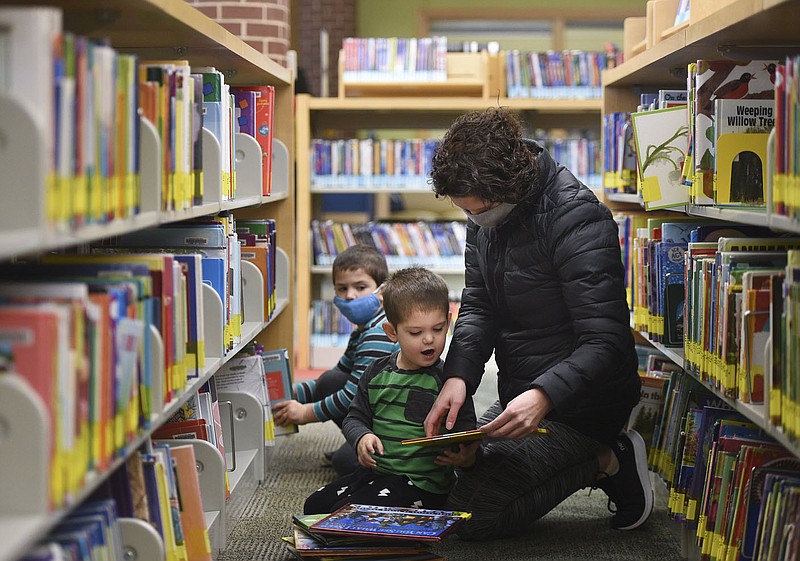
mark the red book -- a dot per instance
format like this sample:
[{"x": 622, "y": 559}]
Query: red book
[
  {"x": 193, "y": 428},
  {"x": 34, "y": 335},
  {"x": 264, "y": 117}
]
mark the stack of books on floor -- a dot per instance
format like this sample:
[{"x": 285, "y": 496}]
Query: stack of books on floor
[{"x": 358, "y": 531}]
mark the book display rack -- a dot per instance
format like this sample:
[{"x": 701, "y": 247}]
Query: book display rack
[
  {"x": 164, "y": 30},
  {"x": 739, "y": 30}
]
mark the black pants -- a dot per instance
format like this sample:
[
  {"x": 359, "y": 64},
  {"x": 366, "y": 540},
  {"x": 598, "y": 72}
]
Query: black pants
[
  {"x": 364, "y": 486},
  {"x": 518, "y": 481}
]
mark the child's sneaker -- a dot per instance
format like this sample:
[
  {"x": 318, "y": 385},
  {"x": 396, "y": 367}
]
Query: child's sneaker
[{"x": 629, "y": 489}]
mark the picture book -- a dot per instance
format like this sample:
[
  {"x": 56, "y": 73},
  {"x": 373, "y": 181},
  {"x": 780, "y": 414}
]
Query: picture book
[
  {"x": 278, "y": 375},
  {"x": 195, "y": 428},
  {"x": 671, "y": 98},
  {"x": 682, "y": 13},
  {"x": 198, "y": 546},
  {"x": 755, "y": 329},
  {"x": 741, "y": 129},
  {"x": 724, "y": 79},
  {"x": 646, "y": 415},
  {"x": 264, "y": 116},
  {"x": 456, "y": 437},
  {"x": 246, "y": 374},
  {"x": 106, "y": 509},
  {"x": 244, "y": 111},
  {"x": 758, "y": 492},
  {"x": 307, "y": 545},
  {"x": 661, "y": 138},
  {"x": 391, "y": 522}
]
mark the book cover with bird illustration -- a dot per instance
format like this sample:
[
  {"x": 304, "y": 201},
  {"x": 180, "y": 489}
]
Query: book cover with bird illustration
[{"x": 723, "y": 79}]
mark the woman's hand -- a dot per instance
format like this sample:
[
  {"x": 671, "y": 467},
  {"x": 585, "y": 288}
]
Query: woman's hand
[
  {"x": 291, "y": 412},
  {"x": 368, "y": 446},
  {"x": 449, "y": 401},
  {"x": 521, "y": 416}
]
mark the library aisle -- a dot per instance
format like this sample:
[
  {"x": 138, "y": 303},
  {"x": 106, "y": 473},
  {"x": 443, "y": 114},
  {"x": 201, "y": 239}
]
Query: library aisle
[{"x": 577, "y": 529}]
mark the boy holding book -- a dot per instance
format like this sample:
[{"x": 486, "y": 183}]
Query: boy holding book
[
  {"x": 358, "y": 273},
  {"x": 393, "y": 398}
]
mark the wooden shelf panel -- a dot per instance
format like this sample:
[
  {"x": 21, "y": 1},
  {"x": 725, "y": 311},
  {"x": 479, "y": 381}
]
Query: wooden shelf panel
[
  {"x": 449, "y": 88},
  {"x": 169, "y": 29},
  {"x": 449, "y": 104},
  {"x": 743, "y": 29}
]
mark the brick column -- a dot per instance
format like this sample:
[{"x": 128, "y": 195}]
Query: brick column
[
  {"x": 263, "y": 24},
  {"x": 338, "y": 17}
]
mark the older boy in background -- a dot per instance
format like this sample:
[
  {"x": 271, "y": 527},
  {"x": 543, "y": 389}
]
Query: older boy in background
[{"x": 358, "y": 272}]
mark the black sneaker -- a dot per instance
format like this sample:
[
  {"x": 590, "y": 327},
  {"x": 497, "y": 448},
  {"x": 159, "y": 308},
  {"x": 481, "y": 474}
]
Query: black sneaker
[
  {"x": 629, "y": 489},
  {"x": 327, "y": 458}
]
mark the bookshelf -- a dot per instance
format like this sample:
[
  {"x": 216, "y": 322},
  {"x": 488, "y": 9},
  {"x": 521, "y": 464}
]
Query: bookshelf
[
  {"x": 741, "y": 29},
  {"x": 152, "y": 30},
  {"x": 314, "y": 116},
  {"x": 468, "y": 74}
]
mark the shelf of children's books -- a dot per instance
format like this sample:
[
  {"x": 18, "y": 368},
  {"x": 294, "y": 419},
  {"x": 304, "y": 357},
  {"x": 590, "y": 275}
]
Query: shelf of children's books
[
  {"x": 465, "y": 87},
  {"x": 449, "y": 104},
  {"x": 755, "y": 412},
  {"x": 24, "y": 512},
  {"x": 169, "y": 29},
  {"x": 369, "y": 188},
  {"x": 742, "y": 29},
  {"x": 326, "y": 269}
]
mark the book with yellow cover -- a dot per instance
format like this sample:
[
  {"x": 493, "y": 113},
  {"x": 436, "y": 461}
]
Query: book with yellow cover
[{"x": 456, "y": 437}]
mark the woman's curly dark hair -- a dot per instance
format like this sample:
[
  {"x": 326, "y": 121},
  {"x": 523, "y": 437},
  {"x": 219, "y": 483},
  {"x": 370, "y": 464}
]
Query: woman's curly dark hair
[{"x": 484, "y": 155}]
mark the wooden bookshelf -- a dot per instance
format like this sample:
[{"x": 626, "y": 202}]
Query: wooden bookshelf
[
  {"x": 164, "y": 30},
  {"x": 468, "y": 74},
  {"x": 743, "y": 29}
]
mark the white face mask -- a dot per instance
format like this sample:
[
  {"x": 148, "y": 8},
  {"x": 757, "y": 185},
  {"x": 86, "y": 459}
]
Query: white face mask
[{"x": 493, "y": 217}]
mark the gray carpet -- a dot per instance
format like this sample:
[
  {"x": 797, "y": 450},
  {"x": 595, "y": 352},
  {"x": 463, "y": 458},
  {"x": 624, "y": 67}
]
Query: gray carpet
[{"x": 577, "y": 529}]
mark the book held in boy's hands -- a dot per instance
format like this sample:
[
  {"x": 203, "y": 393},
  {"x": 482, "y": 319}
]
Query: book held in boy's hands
[
  {"x": 390, "y": 522},
  {"x": 455, "y": 437}
]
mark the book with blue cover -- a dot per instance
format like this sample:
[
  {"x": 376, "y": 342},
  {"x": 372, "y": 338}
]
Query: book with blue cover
[{"x": 390, "y": 522}]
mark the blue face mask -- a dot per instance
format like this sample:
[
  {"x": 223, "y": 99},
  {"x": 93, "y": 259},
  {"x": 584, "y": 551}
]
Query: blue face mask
[{"x": 359, "y": 310}]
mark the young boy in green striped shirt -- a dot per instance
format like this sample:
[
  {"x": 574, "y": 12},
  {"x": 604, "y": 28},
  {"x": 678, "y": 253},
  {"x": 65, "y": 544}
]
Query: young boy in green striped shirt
[{"x": 393, "y": 398}]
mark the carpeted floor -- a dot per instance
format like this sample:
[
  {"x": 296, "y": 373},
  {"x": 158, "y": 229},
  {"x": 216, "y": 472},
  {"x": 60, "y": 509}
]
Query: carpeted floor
[{"x": 577, "y": 529}]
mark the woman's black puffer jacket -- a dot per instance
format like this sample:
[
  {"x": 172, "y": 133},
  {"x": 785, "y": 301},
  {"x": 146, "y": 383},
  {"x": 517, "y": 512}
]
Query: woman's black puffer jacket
[{"x": 545, "y": 291}]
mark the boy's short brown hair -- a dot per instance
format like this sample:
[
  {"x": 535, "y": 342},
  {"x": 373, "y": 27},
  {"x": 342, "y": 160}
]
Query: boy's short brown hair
[
  {"x": 414, "y": 288},
  {"x": 365, "y": 257}
]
